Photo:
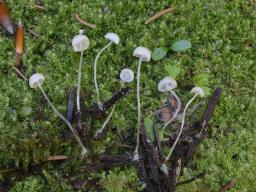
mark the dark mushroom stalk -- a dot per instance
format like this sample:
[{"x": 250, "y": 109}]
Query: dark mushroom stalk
[
  {"x": 113, "y": 38},
  {"x": 126, "y": 76},
  {"x": 36, "y": 81},
  {"x": 144, "y": 55},
  {"x": 80, "y": 43}
]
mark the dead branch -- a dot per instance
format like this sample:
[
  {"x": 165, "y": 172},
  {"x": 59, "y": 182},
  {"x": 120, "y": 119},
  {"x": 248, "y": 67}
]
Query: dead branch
[
  {"x": 93, "y": 26},
  {"x": 98, "y": 112},
  {"x": 159, "y": 14},
  {"x": 228, "y": 186}
]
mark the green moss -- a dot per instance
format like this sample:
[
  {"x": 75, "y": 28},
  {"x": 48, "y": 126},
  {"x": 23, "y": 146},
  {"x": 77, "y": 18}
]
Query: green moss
[
  {"x": 30, "y": 184},
  {"x": 223, "y": 40}
]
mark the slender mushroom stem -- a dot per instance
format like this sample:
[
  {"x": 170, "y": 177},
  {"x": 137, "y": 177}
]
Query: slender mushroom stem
[
  {"x": 176, "y": 111},
  {"x": 95, "y": 72},
  {"x": 79, "y": 76},
  {"x": 106, "y": 122},
  {"x": 84, "y": 150},
  {"x": 181, "y": 128},
  {"x": 136, "y": 153}
]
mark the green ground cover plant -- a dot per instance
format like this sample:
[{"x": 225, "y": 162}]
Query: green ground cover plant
[{"x": 223, "y": 45}]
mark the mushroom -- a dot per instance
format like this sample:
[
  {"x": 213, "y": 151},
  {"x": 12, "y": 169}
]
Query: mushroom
[
  {"x": 198, "y": 91},
  {"x": 80, "y": 43},
  {"x": 126, "y": 76},
  {"x": 144, "y": 55},
  {"x": 36, "y": 81},
  {"x": 165, "y": 85},
  {"x": 113, "y": 38}
]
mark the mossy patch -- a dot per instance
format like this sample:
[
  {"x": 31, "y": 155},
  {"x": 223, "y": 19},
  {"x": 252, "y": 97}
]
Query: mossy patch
[{"x": 223, "y": 40}]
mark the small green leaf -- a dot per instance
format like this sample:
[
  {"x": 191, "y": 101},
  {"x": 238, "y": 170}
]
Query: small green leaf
[
  {"x": 173, "y": 70},
  {"x": 149, "y": 127},
  {"x": 181, "y": 45},
  {"x": 207, "y": 90},
  {"x": 159, "y": 53},
  {"x": 201, "y": 80}
]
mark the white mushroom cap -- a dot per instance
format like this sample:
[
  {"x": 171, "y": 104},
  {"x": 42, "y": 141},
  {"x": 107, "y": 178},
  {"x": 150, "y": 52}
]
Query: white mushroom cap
[
  {"x": 126, "y": 75},
  {"x": 80, "y": 42},
  {"x": 166, "y": 84},
  {"x": 35, "y": 80},
  {"x": 113, "y": 37},
  {"x": 142, "y": 53},
  {"x": 198, "y": 90}
]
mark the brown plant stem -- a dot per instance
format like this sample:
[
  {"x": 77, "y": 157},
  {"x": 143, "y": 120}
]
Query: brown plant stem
[
  {"x": 159, "y": 14},
  {"x": 82, "y": 21}
]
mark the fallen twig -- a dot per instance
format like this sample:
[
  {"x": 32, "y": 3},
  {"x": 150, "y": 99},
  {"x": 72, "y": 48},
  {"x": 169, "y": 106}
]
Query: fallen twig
[
  {"x": 199, "y": 176},
  {"x": 40, "y": 7},
  {"x": 98, "y": 112},
  {"x": 71, "y": 104},
  {"x": 152, "y": 157},
  {"x": 31, "y": 31},
  {"x": 57, "y": 158},
  {"x": 228, "y": 186},
  {"x": 159, "y": 14},
  {"x": 20, "y": 74},
  {"x": 110, "y": 161},
  {"x": 93, "y": 26}
]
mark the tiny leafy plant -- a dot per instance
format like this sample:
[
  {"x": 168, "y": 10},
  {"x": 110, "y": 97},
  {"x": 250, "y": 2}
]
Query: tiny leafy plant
[
  {"x": 202, "y": 80},
  {"x": 173, "y": 70},
  {"x": 178, "y": 46},
  {"x": 181, "y": 45},
  {"x": 159, "y": 53}
]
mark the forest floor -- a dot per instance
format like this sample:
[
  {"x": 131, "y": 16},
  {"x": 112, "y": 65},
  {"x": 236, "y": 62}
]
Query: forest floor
[{"x": 223, "y": 37}]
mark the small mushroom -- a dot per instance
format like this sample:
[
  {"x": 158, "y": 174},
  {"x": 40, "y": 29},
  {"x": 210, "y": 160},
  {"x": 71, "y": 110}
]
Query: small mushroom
[
  {"x": 126, "y": 76},
  {"x": 36, "y": 81},
  {"x": 198, "y": 91},
  {"x": 144, "y": 55},
  {"x": 167, "y": 85},
  {"x": 113, "y": 38},
  {"x": 80, "y": 43}
]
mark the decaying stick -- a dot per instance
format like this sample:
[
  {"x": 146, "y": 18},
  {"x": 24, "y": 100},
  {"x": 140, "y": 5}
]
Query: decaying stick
[
  {"x": 201, "y": 175},
  {"x": 144, "y": 178},
  {"x": 31, "y": 31},
  {"x": 158, "y": 144},
  {"x": 97, "y": 112},
  {"x": 151, "y": 154},
  {"x": 93, "y": 26},
  {"x": 159, "y": 14},
  {"x": 228, "y": 186},
  {"x": 110, "y": 161},
  {"x": 20, "y": 74},
  {"x": 203, "y": 123}
]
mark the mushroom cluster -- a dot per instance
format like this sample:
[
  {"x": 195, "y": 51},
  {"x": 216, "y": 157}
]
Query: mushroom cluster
[{"x": 168, "y": 84}]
